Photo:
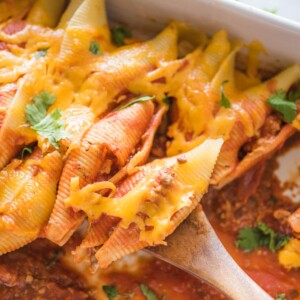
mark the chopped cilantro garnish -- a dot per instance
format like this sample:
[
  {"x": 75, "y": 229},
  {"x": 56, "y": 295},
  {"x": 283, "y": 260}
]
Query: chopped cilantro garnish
[
  {"x": 224, "y": 102},
  {"x": 118, "y": 35},
  {"x": 95, "y": 48},
  {"x": 281, "y": 103},
  {"x": 37, "y": 111},
  {"x": 49, "y": 126},
  {"x": 52, "y": 128},
  {"x": 167, "y": 100},
  {"x": 148, "y": 292},
  {"x": 111, "y": 291},
  {"x": 41, "y": 52},
  {"x": 24, "y": 150},
  {"x": 137, "y": 100},
  {"x": 251, "y": 238},
  {"x": 281, "y": 297}
]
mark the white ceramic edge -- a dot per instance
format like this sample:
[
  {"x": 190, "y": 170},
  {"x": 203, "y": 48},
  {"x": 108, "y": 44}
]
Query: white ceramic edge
[{"x": 273, "y": 18}]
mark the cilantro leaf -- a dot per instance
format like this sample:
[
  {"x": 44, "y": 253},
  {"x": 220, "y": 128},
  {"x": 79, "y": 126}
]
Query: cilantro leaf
[
  {"x": 251, "y": 238},
  {"x": 224, "y": 102},
  {"x": 41, "y": 53},
  {"x": 167, "y": 100},
  {"x": 95, "y": 48},
  {"x": 52, "y": 128},
  {"x": 24, "y": 150},
  {"x": 248, "y": 239},
  {"x": 279, "y": 102},
  {"x": 111, "y": 291},
  {"x": 137, "y": 100},
  {"x": 148, "y": 292},
  {"x": 281, "y": 297},
  {"x": 36, "y": 112},
  {"x": 49, "y": 126},
  {"x": 118, "y": 35}
]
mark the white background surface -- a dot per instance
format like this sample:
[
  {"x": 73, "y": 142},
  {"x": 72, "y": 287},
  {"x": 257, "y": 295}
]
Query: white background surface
[{"x": 285, "y": 8}]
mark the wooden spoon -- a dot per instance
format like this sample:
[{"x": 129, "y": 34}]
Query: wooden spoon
[{"x": 195, "y": 248}]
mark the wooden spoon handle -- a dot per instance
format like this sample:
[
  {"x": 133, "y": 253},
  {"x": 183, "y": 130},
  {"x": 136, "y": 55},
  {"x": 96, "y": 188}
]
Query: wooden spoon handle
[{"x": 195, "y": 248}]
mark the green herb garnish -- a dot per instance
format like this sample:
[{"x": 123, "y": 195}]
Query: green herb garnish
[
  {"x": 52, "y": 128},
  {"x": 41, "y": 53},
  {"x": 148, "y": 292},
  {"x": 54, "y": 259},
  {"x": 37, "y": 111},
  {"x": 49, "y": 126},
  {"x": 95, "y": 48},
  {"x": 137, "y": 100},
  {"x": 111, "y": 291},
  {"x": 280, "y": 102},
  {"x": 24, "y": 150},
  {"x": 281, "y": 297},
  {"x": 224, "y": 102},
  {"x": 118, "y": 35},
  {"x": 251, "y": 238},
  {"x": 271, "y": 10},
  {"x": 167, "y": 100}
]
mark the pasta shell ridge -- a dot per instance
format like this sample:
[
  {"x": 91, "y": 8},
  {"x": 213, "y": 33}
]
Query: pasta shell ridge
[
  {"x": 85, "y": 162},
  {"x": 36, "y": 194},
  {"x": 194, "y": 172},
  {"x": 267, "y": 147}
]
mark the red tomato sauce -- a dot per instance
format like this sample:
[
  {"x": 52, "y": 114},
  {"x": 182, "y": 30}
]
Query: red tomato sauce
[
  {"x": 165, "y": 280},
  {"x": 228, "y": 211}
]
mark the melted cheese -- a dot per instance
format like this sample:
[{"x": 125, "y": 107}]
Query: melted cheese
[
  {"x": 10, "y": 9},
  {"x": 87, "y": 85},
  {"x": 289, "y": 256},
  {"x": 46, "y": 13},
  {"x": 168, "y": 186}
]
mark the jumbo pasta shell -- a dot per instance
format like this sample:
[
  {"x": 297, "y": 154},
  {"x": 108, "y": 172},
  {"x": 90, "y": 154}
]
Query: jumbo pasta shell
[
  {"x": 111, "y": 74},
  {"x": 113, "y": 138},
  {"x": 7, "y": 92},
  {"x": 14, "y": 134},
  {"x": 27, "y": 187},
  {"x": 69, "y": 12},
  {"x": 122, "y": 242},
  {"x": 267, "y": 147},
  {"x": 251, "y": 112},
  {"x": 197, "y": 97},
  {"x": 148, "y": 211},
  {"x": 86, "y": 24},
  {"x": 46, "y": 13}
]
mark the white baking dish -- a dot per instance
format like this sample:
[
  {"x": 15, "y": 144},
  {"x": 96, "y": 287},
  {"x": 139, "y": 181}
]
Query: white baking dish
[{"x": 280, "y": 36}]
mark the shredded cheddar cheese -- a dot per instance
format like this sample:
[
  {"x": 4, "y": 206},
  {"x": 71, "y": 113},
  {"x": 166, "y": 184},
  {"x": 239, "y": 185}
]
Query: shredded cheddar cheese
[
  {"x": 168, "y": 186},
  {"x": 289, "y": 256},
  {"x": 110, "y": 100}
]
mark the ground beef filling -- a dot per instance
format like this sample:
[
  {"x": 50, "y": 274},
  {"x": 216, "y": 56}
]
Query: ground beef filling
[{"x": 33, "y": 272}]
